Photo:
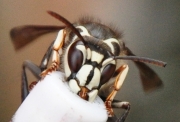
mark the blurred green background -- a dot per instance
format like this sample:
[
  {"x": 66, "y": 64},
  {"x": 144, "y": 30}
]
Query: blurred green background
[{"x": 150, "y": 28}]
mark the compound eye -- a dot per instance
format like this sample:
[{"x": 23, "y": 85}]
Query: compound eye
[
  {"x": 75, "y": 56},
  {"x": 107, "y": 73}
]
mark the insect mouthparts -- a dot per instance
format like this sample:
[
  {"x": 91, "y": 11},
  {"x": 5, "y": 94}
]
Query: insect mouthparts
[{"x": 142, "y": 59}]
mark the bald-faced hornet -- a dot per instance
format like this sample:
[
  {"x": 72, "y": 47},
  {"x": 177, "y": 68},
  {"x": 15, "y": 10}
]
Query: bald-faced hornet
[{"x": 88, "y": 52}]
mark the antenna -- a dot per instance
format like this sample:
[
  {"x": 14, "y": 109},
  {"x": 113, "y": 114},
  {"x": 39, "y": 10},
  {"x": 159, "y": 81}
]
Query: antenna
[
  {"x": 67, "y": 23},
  {"x": 141, "y": 59}
]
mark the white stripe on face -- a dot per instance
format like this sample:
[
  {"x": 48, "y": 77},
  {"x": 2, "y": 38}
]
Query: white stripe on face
[
  {"x": 83, "y": 33},
  {"x": 109, "y": 43},
  {"x": 88, "y": 53},
  {"x": 95, "y": 80},
  {"x": 83, "y": 73},
  {"x": 97, "y": 57},
  {"x": 92, "y": 95},
  {"x": 74, "y": 86}
]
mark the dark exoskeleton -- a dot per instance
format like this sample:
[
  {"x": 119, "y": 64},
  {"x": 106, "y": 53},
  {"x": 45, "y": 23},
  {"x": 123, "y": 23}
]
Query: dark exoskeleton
[{"x": 90, "y": 51}]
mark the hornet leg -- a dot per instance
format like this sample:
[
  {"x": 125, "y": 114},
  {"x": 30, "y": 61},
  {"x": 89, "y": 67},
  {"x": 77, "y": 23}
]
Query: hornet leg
[
  {"x": 124, "y": 105},
  {"x": 118, "y": 104},
  {"x": 56, "y": 56},
  {"x": 35, "y": 70},
  {"x": 117, "y": 85}
]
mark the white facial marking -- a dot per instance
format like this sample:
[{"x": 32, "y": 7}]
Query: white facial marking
[
  {"x": 74, "y": 86},
  {"x": 95, "y": 80},
  {"x": 109, "y": 43},
  {"x": 88, "y": 53},
  {"x": 96, "y": 57},
  {"x": 83, "y": 33},
  {"x": 92, "y": 95},
  {"x": 83, "y": 73}
]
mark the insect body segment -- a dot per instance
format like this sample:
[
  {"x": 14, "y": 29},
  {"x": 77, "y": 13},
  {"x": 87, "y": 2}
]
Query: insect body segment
[
  {"x": 89, "y": 58},
  {"x": 117, "y": 85}
]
